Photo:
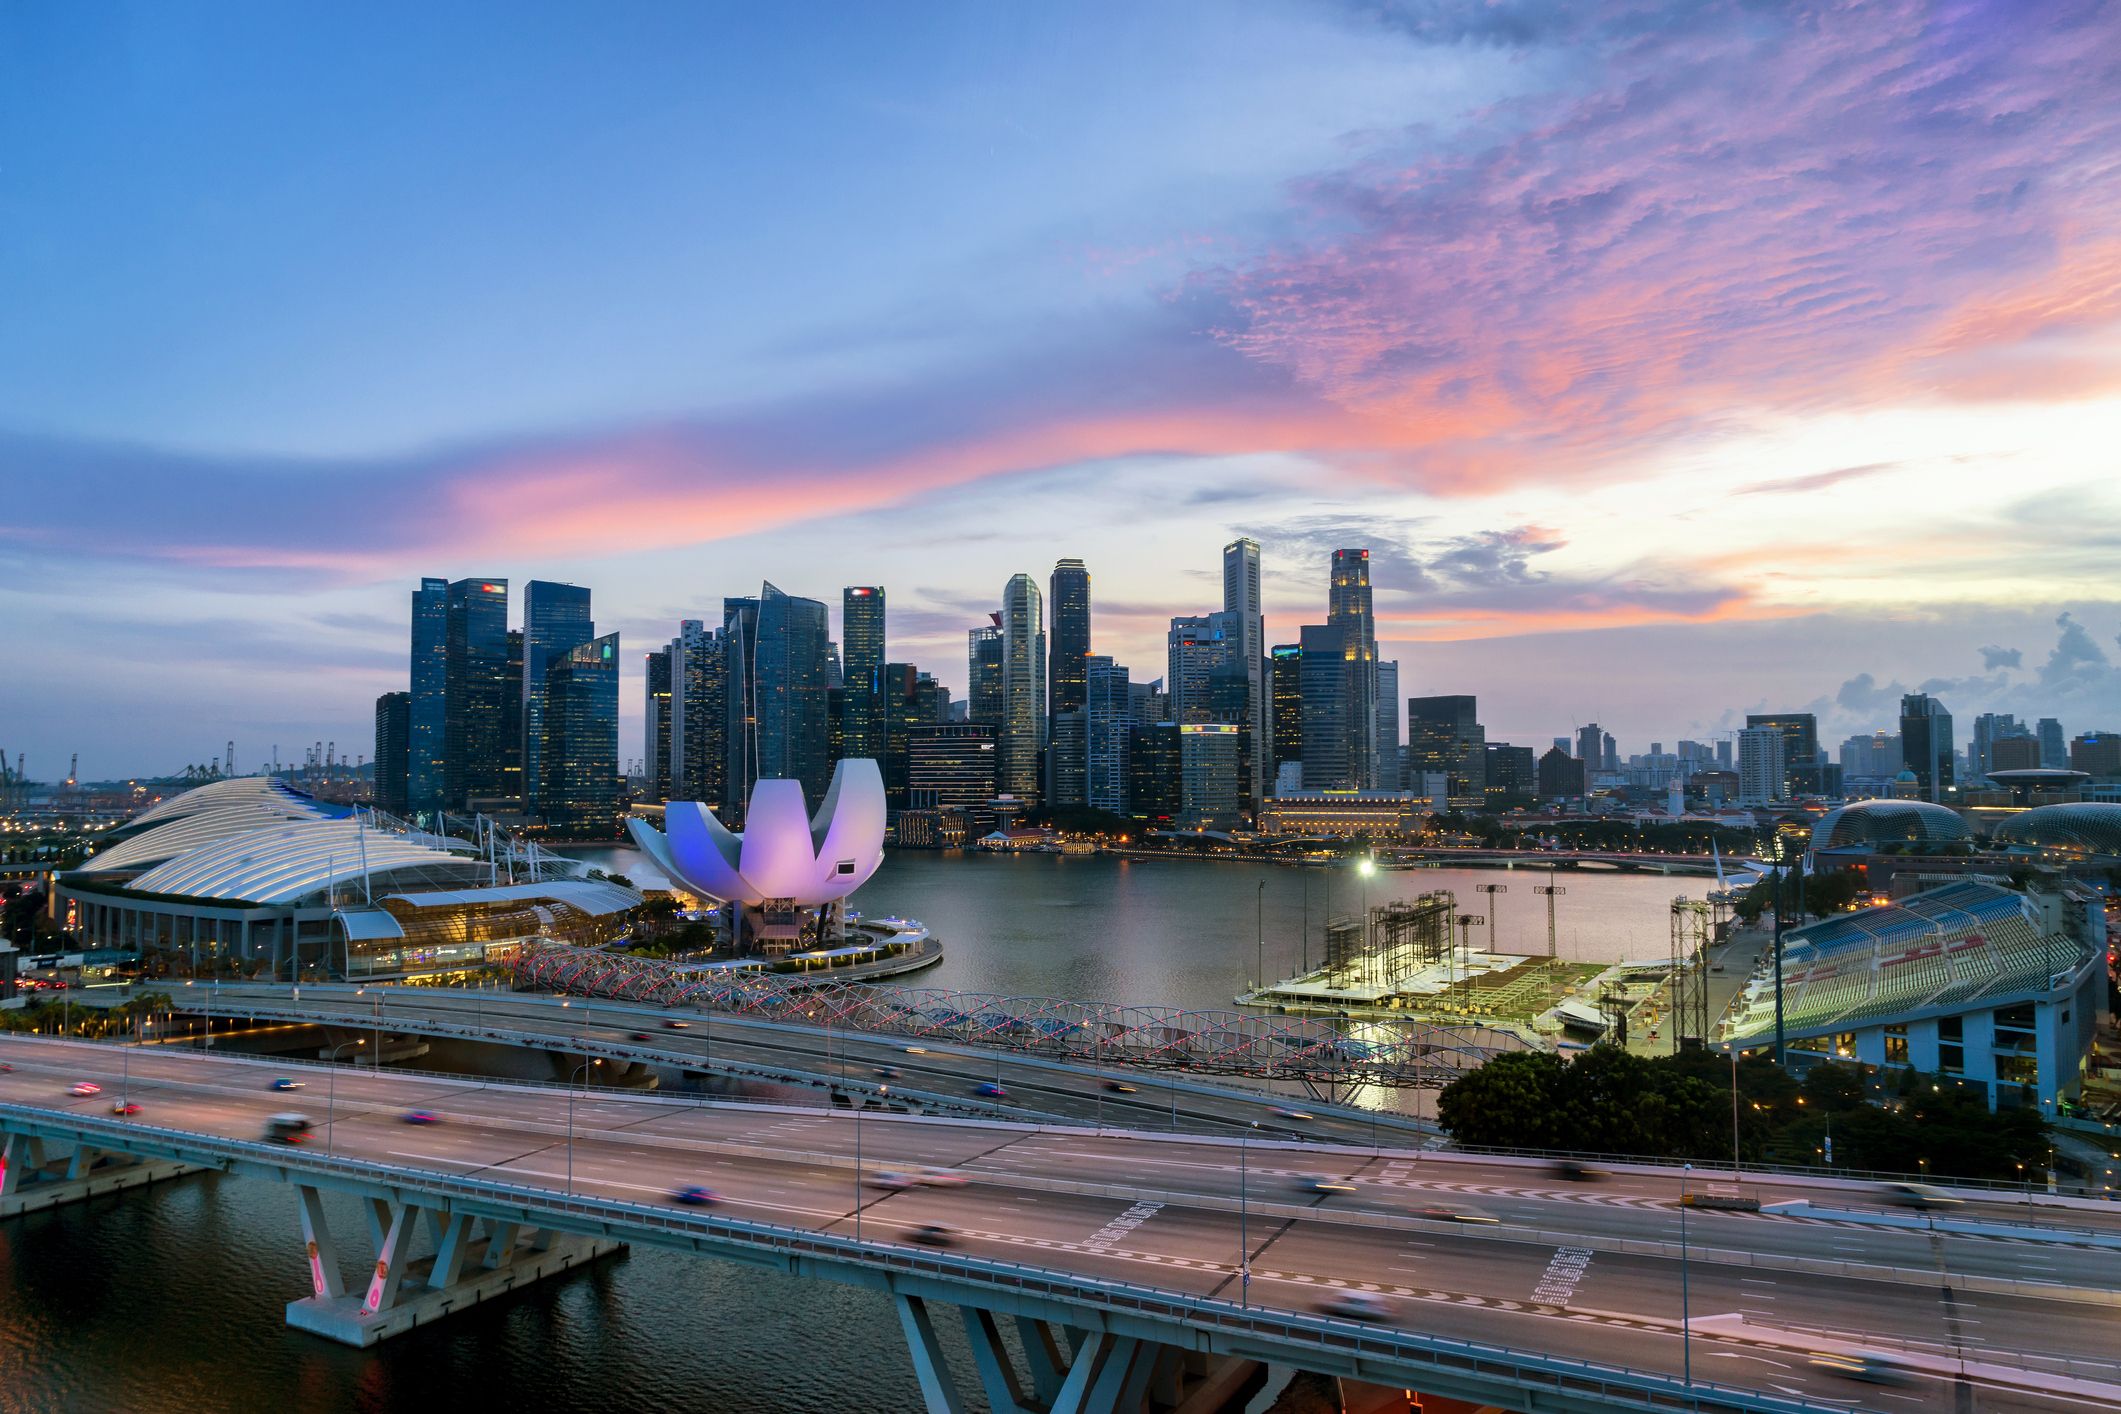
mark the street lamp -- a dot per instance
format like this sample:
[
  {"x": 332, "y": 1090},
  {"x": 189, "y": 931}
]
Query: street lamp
[
  {"x": 579, "y": 1071},
  {"x": 1259, "y": 937},
  {"x": 885, "y": 1091},
  {"x": 331, "y": 1090},
  {"x": 1244, "y": 1241},
  {"x": 1686, "y": 1326}
]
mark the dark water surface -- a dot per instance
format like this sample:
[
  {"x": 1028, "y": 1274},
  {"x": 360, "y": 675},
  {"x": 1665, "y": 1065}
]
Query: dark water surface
[{"x": 173, "y": 1297}]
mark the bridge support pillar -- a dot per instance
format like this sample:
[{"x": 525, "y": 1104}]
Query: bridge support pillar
[
  {"x": 40, "y": 1173},
  {"x": 1076, "y": 1372},
  {"x": 471, "y": 1262}
]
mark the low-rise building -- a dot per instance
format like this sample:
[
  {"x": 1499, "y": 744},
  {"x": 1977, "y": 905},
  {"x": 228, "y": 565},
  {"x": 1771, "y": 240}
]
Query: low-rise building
[{"x": 1342, "y": 812}]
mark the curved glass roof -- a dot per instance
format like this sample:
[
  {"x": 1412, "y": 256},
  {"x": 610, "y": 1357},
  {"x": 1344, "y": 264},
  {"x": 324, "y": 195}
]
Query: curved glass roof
[
  {"x": 233, "y": 815},
  {"x": 1889, "y": 822},
  {"x": 2084, "y": 826},
  {"x": 288, "y": 863},
  {"x": 268, "y": 791}
]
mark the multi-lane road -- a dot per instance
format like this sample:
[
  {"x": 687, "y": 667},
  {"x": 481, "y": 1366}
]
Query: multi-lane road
[
  {"x": 854, "y": 1060},
  {"x": 1589, "y": 1270}
]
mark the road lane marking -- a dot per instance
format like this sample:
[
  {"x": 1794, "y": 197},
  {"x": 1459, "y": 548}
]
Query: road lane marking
[{"x": 1563, "y": 1272}]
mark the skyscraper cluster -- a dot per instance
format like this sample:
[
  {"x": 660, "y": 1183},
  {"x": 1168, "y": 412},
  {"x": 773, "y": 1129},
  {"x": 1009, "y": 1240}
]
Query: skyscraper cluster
[{"x": 521, "y": 721}]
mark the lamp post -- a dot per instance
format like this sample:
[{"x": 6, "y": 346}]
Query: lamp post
[
  {"x": 331, "y": 1090},
  {"x": 1733, "y": 1048},
  {"x": 1491, "y": 890},
  {"x": 1259, "y": 937},
  {"x": 1244, "y": 1241},
  {"x": 1366, "y": 868},
  {"x": 885, "y": 1091},
  {"x": 579, "y": 1071},
  {"x": 1552, "y": 892},
  {"x": 1686, "y": 1325}
]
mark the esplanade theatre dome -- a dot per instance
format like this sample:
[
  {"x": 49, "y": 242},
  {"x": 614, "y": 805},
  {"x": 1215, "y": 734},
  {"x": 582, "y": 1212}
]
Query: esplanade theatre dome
[
  {"x": 2082, "y": 827},
  {"x": 1889, "y": 822}
]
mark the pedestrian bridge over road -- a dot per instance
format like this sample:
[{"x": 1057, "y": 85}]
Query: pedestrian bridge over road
[
  {"x": 1391, "y": 1053},
  {"x": 1140, "y": 1271}
]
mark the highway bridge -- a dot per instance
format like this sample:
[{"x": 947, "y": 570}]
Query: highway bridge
[
  {"x": 929, "y": 1075},
  {"x": 1140, "y": 1270}
]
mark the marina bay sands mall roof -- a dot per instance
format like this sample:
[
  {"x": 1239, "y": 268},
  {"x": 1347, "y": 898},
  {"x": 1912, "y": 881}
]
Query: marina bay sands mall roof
[{"x": 251, "y": 876}]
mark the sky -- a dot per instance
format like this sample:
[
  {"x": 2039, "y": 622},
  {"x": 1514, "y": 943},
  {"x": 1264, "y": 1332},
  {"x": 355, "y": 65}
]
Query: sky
[{"x": 1674, "y": 360}]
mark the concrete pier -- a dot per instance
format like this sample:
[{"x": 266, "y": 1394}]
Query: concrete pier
[{"x": 36, "y": 1174}]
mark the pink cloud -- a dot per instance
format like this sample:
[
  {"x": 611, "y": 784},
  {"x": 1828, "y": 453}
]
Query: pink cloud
[{"x": 1783, "y": 208}]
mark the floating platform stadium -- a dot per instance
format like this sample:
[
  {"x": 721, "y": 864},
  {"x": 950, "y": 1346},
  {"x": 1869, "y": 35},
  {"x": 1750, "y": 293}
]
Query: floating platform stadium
[{"x": 1415, "y": 959}]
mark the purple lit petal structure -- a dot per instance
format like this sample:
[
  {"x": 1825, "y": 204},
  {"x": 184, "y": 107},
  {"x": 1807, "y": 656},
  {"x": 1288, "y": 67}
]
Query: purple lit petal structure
[{"x": 783, "y": 853}]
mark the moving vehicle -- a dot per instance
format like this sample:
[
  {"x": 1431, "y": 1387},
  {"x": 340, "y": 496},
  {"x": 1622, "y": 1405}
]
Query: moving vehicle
[
  {"x": 892, "y": 1181},
  {"x": 992, "y": 1089},
  {"x": 916, "y": 1050},
  {"x": 1119, "y": 1087},
  {"x": 1917, "y": 1195},
  {"x": 1725, "y": 1197},
  {"x": 124, "y": 1107},
  {"x": 1325, "y": 1183},
  {"x": 286, "y": 1083},
  {"x": 1867, "y": 1366},
  {"x": 932, "y": 1235},
  {"x": 6, "y": 1069},
  {"x": 639, "y": 1036},
  {"x": 422, "y": 1117},
  {"x": 942, "y": 1178},
  {"x": 85, "y": 1087},
  {"x": 888, "y": 1072},
  {"x": 289, "y": 1128},
  {"x": 694, "y": 1196},
  {"x": 1300, "y": 1116},
  {"x": 673, "y": 1024},
  {"x": 1356, "y": 1306},
  {"x": 1574, "y": 1172},
  {"x": 1445, "y": 1213}
]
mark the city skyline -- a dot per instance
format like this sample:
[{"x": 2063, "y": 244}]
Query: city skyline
[{"x": 1629, "y": 397}]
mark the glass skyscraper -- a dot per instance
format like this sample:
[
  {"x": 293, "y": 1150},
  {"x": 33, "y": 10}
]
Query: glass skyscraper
[
  {"x": 1023, "y": 735},
  {"x": 1926, "y": 744},
  {"x": 983, "y": 666},
  {"x": 1108, "y": 711},
  {"x": 1285, "y": 673},
  {"x": 655, "y": 728},
  {"x": 393, "y": 736},
  {"x": 777, "y": 647},
  {"x": 476, "y": 691},
  {"x": 581, "y": 740},
  {"x": 427, "y": 714},
  {"x": 1241, "y": 604},
  {"x": 1065, "y": 686},
  {"x": 1348, "y": 607},
  {"x": 862, "y": 729},
  {"x": 555, "y": 621}
]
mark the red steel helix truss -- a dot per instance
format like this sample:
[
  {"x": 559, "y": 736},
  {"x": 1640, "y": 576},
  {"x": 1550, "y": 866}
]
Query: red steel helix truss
[{"x": 1405, "y": 1053}]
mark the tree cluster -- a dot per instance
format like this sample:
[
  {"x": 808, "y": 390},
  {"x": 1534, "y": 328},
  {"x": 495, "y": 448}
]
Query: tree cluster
[{"x": 1613, "y": 1102}]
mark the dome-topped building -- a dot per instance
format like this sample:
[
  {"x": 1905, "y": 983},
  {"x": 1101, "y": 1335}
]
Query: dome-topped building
[
  {"x": 1882, "y": 822},
  {"x": 2074, "y": 827}
]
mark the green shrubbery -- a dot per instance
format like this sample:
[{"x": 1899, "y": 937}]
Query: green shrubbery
[{"x": 1611, "y": 1101}]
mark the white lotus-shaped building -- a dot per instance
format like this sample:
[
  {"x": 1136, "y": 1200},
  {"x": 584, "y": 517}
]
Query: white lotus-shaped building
[{"x": 784, "y": 856}]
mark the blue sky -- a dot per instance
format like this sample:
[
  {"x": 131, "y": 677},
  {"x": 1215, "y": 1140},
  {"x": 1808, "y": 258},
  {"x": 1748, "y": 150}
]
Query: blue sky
[{"x": 1733, "y": 353}]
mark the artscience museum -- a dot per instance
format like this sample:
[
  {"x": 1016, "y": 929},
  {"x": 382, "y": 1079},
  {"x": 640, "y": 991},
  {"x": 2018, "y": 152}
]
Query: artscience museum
[{"x": 785, "y": 876}]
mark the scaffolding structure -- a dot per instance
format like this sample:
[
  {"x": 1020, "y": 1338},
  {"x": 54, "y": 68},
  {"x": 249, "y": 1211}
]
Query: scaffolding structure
[
  {"x": 1692, "y": 928},
  {"x": 1403, "y": 937}
]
